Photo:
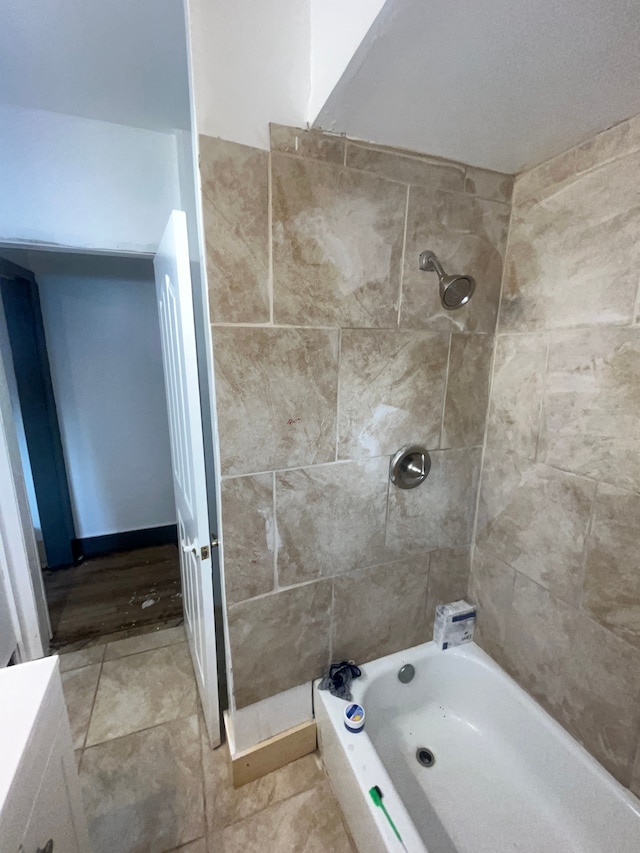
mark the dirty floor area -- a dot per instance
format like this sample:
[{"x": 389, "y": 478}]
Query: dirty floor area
[
  {"x": 123, "y": 593},
  {"x": 150, "y": 780}
]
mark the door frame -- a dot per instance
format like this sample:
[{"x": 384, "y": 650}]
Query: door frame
[
  {"x": 16, "y": 528},
  {"x": 23, "y": 570},
  {"x": 21, "y": 300}
]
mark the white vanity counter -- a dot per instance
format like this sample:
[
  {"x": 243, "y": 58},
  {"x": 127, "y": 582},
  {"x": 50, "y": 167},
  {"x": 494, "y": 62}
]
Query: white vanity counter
[{"x": 40, "y": 799}]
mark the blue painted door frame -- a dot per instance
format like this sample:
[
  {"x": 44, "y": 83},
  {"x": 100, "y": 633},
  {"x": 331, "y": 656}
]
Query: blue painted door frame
[{"x": 21, "y": 303}]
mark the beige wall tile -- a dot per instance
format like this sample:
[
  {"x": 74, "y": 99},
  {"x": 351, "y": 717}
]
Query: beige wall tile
[
  {"x": 380, "y": 610},
  {"x": 419, "y": 170},
  {"x": 612, "y": 581},
  {"x": 573, "y": 260},
  {"x": 448, "y": 580},
  {"x": 143, "y": 792},
  {"x": 438, "y": 513},
  {"x": 544, "y": 180},
  {"x": 235, "y": 208},
  {"x": 491, "y": 590},
  {"x": 279, "y": 641},
  {"x": 307, "y": 143},
  {"x": 465, "y": 407},
  {"x": 535, "y": 518},
  {"x": 553, "y": 175},
  {"x": 611, "y": 144},
  {"x": 468, "y": 235},
  {"x": 331, "y": 518},
  {"x": 516, "y": 393},
  {"x": 494, "y": 186},
  {"x": 591, "y": 412},
  {"x": 276, "y": 391},
  {"x": 337, "y": 245},
  {"x": 391, "y": 390},
  {"x": 583, "y": 675},
  {"x": 249, "y": 536}
]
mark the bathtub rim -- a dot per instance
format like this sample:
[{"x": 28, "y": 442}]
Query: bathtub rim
[{"x": 364, "y": 764}]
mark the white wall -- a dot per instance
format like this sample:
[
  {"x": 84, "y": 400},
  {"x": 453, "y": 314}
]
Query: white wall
[
  {"x": 83, "y": 183},
  {"x": 261, "y": 61},
  {"x": 101, "y": 326},
  {"x": 250, "y": 61},
  {"x": 337, "y": 29}
]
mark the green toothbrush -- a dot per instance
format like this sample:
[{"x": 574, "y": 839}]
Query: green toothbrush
[{"x": 376, "y": 795}]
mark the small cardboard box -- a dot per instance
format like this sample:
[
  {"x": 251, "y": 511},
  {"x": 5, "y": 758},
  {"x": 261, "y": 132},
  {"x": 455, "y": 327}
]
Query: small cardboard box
[{"x": 454, "y": 624}]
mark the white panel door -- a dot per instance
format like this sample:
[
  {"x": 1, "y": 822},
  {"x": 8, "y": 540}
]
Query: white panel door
[{"x": 175, "y": 307}]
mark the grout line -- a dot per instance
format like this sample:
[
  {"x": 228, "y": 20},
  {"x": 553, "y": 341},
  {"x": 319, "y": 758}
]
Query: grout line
[
  {"x": 404, "y": 249},
  {"x": 273, "y": 592},
  {"x": 386, "y": 515},
  {"x": 474, "y": 530},
  {"x": 636, "y": 307},
  {"x": 338, "y": 394},
  {"x": 276, "y": 582},
  {"x": 545, "y": 376},
  {"x": 331, "y": 622},
  {"x": 270, "y": 237},
  {"x": 93, "y": 703},
  {"x": 203, "y": 737},
  {"x": 360, "y": 460},
  {"x": 444, "y": 396},
  {"x": 177, "y": 719},
  {"x": 585, "y": 548},
  {"x": 144, "y": 651}
]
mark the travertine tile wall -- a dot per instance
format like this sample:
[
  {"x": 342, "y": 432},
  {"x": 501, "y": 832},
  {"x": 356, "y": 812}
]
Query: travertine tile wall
[
  {"x": 556, "y": 567},
  {"x": 331, "y": 352}
]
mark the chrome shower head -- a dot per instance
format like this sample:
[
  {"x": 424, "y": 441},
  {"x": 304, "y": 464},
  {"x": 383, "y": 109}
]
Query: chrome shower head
[{"x": 455, "y": 290}]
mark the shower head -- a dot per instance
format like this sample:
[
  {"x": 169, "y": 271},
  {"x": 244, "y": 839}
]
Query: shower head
[{"x": 455, "y": 290}]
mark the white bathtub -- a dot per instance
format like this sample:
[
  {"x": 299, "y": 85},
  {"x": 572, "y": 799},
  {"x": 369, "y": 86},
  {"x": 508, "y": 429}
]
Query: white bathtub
[{"x": 506, "y": 776}]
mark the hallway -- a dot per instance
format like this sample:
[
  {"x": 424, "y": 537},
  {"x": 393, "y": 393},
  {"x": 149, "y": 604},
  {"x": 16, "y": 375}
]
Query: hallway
[
  {"x": 120, "y": 593},
  {"x": 151, "y": 783}
]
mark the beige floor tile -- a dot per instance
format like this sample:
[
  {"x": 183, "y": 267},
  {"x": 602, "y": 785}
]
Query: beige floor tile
[
  {"x": 143, "y": 792},
  {"x": 226, "y": 805},
  {"x": 143, "y": 690},
  {"x": 79, "y": 686},
  {"x": 83, "y": 657},
  {"x": 310, "y": 822},
  {"x": 145, "y": 642}
]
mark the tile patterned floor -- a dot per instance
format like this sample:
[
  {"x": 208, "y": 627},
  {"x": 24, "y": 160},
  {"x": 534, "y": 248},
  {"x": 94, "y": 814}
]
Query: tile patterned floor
[{"x": 152, "y": 784}]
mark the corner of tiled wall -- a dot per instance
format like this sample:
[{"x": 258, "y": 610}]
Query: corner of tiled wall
[
  {"x": 555, "y": 569},
  {"x": 331, "y": 352}
]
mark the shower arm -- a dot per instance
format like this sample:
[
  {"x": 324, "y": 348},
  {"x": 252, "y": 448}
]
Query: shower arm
[{"x": 430, "y": 263}]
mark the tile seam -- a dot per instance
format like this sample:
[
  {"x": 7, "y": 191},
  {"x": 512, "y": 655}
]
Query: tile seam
[{"x": 403, "y": 256}]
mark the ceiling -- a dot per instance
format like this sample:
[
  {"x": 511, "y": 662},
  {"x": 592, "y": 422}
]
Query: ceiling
[
  {"x": 501, "y": 84},
  {"x": 122, "y": 61}
]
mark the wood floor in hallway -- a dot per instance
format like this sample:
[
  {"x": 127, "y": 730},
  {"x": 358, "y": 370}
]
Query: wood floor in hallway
[{"x": 117, "y": 594}]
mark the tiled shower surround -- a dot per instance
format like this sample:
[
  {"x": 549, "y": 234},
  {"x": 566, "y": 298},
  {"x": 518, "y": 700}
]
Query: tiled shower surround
[
  {"x": 556, "y": 569},
  {"x": 331, "y": 352}
]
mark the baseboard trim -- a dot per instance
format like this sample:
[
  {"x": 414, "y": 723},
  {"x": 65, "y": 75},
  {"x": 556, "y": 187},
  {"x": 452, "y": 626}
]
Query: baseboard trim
[
  {"x": 129, "y": 540},
  {"x": 273, "y": 753}
]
